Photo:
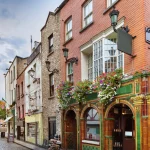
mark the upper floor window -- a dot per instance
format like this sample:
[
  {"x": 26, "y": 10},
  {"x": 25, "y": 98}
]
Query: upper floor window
[
  {"x": 14, "y": 72},
  {"x": 92, "y": 125},
  {"x": 11, "y": 77},
  {"x": 51, "y": 78},
  {"x": 87, "y": 13},
  {"x": 50, "y": 42},
  {"x": 18, "y": 92},
  {"x": 69, "y": 29},
  {"x": 22, "y": 88},
  {"x": 70, "y": 72},
  {"x": 110, "y": 2}
]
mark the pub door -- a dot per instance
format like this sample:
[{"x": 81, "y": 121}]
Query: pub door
[
  {"x": 124, "y": 127},
  {"x": 71, "y": 131}
]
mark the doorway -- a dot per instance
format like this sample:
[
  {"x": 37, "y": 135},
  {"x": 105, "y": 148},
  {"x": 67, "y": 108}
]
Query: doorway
[
  {"x": 123, "y": 128},
  {"x": 71, "y": 131},
  {"x": 52, "y": 127}
]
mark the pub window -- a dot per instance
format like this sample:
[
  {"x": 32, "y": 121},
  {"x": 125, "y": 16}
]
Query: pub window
[{"x": 92, "y": 125}]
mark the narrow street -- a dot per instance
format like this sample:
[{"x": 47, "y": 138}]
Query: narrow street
[{"x": 8, "y": 146}]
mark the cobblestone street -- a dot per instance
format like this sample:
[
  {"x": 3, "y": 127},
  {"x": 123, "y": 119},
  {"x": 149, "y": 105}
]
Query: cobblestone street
[{"x": 8, "y": 146}]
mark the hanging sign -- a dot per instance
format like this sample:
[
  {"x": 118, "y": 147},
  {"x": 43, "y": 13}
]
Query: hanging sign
[{"x": 147, "y": 33}]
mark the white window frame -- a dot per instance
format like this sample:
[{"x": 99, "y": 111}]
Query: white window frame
[
  {"x": 103, "y": 57},
  {"x": 90, "y": 14},
  {"x": 90, "y": 66},
  {"x": 110, "y": 2},
  {"x": 69, "y": 74},
  {"x": 68, "y": 32}
]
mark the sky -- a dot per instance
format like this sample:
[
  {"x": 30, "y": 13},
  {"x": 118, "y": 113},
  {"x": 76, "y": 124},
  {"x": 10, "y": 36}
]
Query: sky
[{"x": 19, "y": 19}]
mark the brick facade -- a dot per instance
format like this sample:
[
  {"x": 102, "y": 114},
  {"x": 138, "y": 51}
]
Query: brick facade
[
  {"x": 50, "y": 104},
  {"x": 101, "y": 21}
]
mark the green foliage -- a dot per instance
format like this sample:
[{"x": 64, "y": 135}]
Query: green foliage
[
  {"x": 108, "y": 84},
  {"x": 82, "y": 89},
  {"x": 2, "y": 113},
  {"x": 64, "y": 93}
]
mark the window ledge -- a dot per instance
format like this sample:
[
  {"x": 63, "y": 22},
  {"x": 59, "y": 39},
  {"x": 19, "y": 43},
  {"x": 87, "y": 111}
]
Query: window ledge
[
  {"x": 111, "y": 6},
  {"x": 51, "y": 97},
  {"x": 50, "y": 53},
  {"x": 83, "y": 29},
  {"x": 69, "y": 40},
  {"x": 90, "y": 142}
]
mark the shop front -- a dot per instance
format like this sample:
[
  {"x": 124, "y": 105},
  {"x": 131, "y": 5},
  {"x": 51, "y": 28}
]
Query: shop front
[
  {"x": 20, "y": 130},
  {"x": 34, "y": 129},
  {"x": 121, "y": 124}
]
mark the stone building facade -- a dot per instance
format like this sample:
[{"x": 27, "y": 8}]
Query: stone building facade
[{"x": 50, "y": 40}]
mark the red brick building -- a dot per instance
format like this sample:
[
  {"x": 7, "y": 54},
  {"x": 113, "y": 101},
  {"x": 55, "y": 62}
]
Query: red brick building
[
  {"x": 20, "y": 106},
  {"x": 87, "y": 33}
]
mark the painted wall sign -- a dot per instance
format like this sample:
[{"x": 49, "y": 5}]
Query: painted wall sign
[{"x": 147, "y": 33}]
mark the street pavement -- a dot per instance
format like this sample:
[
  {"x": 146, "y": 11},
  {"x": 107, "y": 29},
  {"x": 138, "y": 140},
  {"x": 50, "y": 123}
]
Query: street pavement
[{"x": 10, "y": 146}]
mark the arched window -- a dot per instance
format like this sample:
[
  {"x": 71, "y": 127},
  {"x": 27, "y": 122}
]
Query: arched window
[{"x": 92, "y": 125}]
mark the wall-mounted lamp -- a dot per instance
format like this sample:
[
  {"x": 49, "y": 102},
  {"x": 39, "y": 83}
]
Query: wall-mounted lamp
[
  {"x": 114, "y": 19},
  {"x": 4, "y": 74},
  {"x": 7, "y": 69},
  {"x": 10, "y": 61},
  {"x": 72, "y": 60},
  {"x": 32, "y": 73},
  {"x": 48, "y": 67}
]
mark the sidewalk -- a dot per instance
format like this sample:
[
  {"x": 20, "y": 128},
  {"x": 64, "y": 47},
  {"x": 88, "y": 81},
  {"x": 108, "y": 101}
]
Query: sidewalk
[{"x": 28, "y": 145}]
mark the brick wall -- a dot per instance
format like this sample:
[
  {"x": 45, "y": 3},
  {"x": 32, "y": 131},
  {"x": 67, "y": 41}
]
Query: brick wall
[
  {"x": 50, "y": 104},
  {"x": 133, "y": 11}
]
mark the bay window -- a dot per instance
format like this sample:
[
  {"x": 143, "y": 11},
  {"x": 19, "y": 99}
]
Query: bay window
[{"x": 101, "y": 56}]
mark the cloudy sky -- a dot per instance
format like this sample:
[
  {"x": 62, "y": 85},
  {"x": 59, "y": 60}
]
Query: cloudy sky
[{"x": 19, "y": 19}]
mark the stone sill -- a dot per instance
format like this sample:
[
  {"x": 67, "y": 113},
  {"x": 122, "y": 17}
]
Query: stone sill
[
  {"x": 90, "y": 142},
  {"x": 51, "y": 97},
  {"x": 50, "y": 53},
  {"x": 84, "y": 28},
  {"x": 69, "y": 40}
]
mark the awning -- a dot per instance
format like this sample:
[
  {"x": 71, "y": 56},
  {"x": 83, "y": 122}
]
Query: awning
[{"x": 7, "y": 119}]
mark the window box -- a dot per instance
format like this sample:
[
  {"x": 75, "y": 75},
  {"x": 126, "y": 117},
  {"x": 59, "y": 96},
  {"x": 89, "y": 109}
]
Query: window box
[
  {"x": 91, "y": 96},
  {"x": 72, "y": 101}
]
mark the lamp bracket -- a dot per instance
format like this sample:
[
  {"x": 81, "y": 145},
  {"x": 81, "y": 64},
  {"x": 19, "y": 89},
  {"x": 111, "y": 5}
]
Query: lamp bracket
[
  {"x": 54, "y": 71},
  {"x": 72, "y": 60}
]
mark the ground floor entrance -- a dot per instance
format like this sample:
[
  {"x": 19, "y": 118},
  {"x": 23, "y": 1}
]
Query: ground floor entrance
[
  {"x": 120, "y": 126},
  {"x": 71, "y": 131}
]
